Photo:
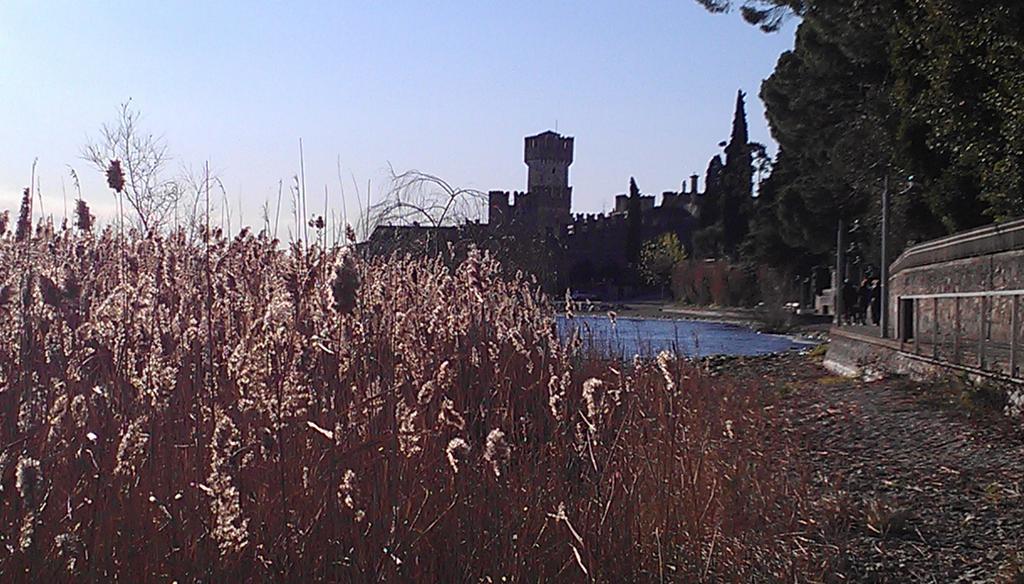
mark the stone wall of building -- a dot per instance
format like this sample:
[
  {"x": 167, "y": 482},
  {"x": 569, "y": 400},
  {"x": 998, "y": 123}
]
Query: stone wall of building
[{"x": 980, "y": 260}]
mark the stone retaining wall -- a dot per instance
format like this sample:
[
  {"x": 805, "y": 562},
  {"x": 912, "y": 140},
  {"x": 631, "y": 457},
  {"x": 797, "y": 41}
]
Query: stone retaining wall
[
  {"x": 855, "y": 355},
  {"x": 989, "y": 259},
  {"x": 986, "y": 259}
]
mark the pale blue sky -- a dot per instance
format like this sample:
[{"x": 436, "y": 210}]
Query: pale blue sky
[{"x": 647, "y": 89}]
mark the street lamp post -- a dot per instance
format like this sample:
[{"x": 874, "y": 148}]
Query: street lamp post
[
  {"x": 838, "y": 302},
  {"x": 883, "y": 320},
  {"x": 883, "y": 317}
]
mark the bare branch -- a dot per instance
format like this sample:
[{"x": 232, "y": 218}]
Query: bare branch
[
  {"x": 144, "y": 157},
  {"x": 419, "y": 197}
]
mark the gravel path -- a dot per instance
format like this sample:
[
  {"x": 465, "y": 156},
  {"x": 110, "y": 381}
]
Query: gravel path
[{"x": 933, "y": 485}]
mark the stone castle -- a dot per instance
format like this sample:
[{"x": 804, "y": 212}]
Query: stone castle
[{"x": 581, "y": 250}]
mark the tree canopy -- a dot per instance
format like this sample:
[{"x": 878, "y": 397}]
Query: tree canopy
[
  {"x": 728, "y": 192},
  {"x": 888, "y": 89},
  {"x": 658, "y": 257}
]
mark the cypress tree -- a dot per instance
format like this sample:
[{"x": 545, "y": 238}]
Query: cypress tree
[
  {"x": 738, "y": 177},
  {"x": 634, "y": 224}
]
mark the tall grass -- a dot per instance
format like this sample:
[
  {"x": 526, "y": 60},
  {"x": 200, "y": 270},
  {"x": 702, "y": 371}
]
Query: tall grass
[{"x": 224, "y": 410}]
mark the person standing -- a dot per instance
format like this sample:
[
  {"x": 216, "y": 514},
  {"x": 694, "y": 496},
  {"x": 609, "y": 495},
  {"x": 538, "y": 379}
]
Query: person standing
[
  {"x": 863, "y": 301},
  {"x": 876, "y": 302},
  {"x": 849, "y": 301}
]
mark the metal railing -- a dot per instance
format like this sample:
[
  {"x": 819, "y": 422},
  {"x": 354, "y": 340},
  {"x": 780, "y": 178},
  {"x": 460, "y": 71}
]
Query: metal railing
[{"x": 989, "y": 339}]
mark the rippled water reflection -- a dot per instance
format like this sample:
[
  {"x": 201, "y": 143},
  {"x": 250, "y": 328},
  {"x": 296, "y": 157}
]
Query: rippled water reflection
[{"x": 629, "y": 336}]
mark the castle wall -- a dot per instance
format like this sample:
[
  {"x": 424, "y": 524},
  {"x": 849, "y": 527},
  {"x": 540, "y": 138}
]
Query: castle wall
[
  {"x": 498, "y": 208},
  {"x": 537, "y": 230},
  {"x": 596, "y": 244},
  {"x": 547, "y": 173}
]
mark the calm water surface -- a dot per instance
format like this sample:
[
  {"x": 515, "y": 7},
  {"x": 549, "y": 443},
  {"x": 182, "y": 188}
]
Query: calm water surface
[{"x": 646, "y": 336}]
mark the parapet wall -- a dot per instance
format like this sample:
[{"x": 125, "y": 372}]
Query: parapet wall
[
  {"x": 981, "y": 260},
  {"x": 988, "y": 240},
  {"x": 548, "y": 146},
  {"x": 954, "y": 308}
]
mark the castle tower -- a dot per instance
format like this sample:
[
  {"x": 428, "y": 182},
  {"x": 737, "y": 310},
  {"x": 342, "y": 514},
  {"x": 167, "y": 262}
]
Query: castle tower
[{"x": 548, "y": 156}]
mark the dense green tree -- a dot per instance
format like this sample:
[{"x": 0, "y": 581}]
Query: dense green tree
[
  {"x": 959, "y": 84},
  {"x": 765, "y": 243},
  {"x": 827, "y": 108},
  {"x": 658, "y": 257},
  {"x": 889, "y": 88},
  {"x": 767, "y": 14}
]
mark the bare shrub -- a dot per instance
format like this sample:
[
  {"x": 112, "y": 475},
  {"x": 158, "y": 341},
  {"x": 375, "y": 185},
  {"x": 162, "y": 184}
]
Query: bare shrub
[{"x": 135, "y": 164}]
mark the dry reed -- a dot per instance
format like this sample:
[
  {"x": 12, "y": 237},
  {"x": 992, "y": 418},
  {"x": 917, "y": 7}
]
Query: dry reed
[{"x": 223, "y": 409}]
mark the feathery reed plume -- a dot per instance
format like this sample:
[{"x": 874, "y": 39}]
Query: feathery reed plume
[
  {"x": 445, "y": 377},
  {"x": 557, "y": 387},
  {"x": 26, "y": 535},
  {"x": 348, "y": 492},
  {"x": 449, "y": 416},
  {"x": 408, "y": 434},
  {"x": 457, "y": 451},
  {"x": 426, "y": 392},
  {"x": 593, "y": 395},
  {"x": 79, "y": 411},
  {"x": 497, "y": 451},
  {"x": 230, "y": 527},
  {"x": 24, "y": 228},
  {"x": 70, "y": 549},
  {"x": 131, "y": 451},
  {"x": 664, "y": 361},
  {"x": 29, "y": 483},
  {"x": 115, "y": 176},
  {"x": 84, "y": 219},
  {"x": 58, "y": 413},
  {"x": 28, "y": 479},
  {"x": 345, "y": 283}
]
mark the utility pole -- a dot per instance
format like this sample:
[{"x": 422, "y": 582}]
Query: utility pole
[
  {"x": 837, "y": 289},
  {"x": 883, "y": 317}
]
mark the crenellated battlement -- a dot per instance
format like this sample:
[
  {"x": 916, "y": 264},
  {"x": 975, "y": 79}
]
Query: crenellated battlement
[
  {"x": 548, "y": 147},
  {"x": 545, "y": 206}
]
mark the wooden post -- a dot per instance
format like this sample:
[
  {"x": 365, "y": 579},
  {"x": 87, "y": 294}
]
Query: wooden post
[
  {"x": 838, "y": 300},
  {"x": 935, "y": 327},
  {"x": 981, "y": 333},
  {"x": 1014, "y": 323},
  {"x": 901, "y": 318},
  {"x": 956, "y": 331},
  {"x": 917, "y": 326}
]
